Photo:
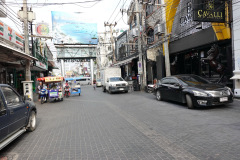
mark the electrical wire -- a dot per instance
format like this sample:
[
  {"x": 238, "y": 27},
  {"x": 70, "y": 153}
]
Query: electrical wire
[
  {"x": 46, "y": 4},
  {"x": 114, "y": 10}
]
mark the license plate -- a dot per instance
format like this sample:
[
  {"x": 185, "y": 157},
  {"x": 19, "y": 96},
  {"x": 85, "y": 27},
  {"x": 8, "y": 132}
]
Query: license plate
[
  {"x": 52, "y": 94},
  {"x": 121, "y": 89},
  {"x": 223, "y": 99}
]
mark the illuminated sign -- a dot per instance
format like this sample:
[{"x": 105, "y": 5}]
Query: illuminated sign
[
  {"x": 1, "y": 29},
  {"x": 9, "y": 34},
  {"x": 209, "y": 10},
  {"x": 42, "y": 29}
]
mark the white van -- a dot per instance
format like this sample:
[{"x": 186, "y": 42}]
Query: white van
[{"x": 84, "y": 81}]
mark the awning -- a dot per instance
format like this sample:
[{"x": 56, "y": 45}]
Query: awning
[
  {"x": 18, "y": 53},
  {"x": 126, "y": 61}
]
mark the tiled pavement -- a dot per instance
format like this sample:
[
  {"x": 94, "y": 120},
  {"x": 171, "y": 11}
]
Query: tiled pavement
[{"x": 98, "y": 126}]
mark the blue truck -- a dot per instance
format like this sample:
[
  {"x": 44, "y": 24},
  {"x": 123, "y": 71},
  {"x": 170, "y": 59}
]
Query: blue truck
[{"x": 17, "y": 115}]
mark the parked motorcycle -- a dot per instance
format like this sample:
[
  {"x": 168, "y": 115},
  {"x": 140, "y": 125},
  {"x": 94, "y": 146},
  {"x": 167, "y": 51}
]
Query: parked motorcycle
[
  {"x": 43, "y": 95},
  {"x": 67, "y": 91}
]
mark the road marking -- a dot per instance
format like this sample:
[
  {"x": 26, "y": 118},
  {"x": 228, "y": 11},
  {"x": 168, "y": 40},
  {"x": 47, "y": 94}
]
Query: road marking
[{"x": 160, "y": 140}]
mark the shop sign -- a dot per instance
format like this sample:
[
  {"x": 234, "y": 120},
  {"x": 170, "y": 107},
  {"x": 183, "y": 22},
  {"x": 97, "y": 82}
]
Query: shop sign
[
  {"x": 19, "y": 39},
  {"x": 209, "y": 10},
  {"x": 9, "y": 34},
  {"x": 1, "y": 29},
  {"x": 53, "y": 79},
  {"x": 42, "y": 29},
  {"x": 39, "y": 52},
  {"x": 140, "y": 69},
  {"x": 183, "y": 24},
  {"x": 41, "y": 65}
]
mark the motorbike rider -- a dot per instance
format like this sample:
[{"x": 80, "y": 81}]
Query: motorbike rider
[
  {"x": 40, "y": 86},
  {"x": 67, "y": 87}
]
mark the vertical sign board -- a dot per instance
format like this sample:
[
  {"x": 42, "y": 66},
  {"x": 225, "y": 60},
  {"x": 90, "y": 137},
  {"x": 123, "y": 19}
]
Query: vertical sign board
[
  {"x": 209, "y": 10},
  {"x": 140, "y": 69}
]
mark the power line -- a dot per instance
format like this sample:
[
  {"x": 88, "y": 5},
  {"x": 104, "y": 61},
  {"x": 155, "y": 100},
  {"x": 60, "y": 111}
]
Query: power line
[{"x": 114, "y": 11}]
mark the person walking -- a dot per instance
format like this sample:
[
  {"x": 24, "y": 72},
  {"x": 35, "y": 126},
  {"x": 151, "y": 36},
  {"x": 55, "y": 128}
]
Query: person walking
[{"x": 94, "y": 84}]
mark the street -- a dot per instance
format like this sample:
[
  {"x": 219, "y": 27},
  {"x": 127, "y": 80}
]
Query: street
[{"x": 127, "y": 126}]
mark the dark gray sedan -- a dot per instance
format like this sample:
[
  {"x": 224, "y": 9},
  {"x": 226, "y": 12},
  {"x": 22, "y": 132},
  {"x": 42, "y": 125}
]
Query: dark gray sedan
[{"x": 193, "y": 90}]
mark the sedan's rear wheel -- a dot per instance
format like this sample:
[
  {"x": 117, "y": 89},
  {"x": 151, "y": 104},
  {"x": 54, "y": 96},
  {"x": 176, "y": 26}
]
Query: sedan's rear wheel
[
  {"x": 189, "y": 102},
  {"x": 158, "y": 96}
]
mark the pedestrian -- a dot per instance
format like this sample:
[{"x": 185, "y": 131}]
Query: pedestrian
[{"x": 94, "y": 84}]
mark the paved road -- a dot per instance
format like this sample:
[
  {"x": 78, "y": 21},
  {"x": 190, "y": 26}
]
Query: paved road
[{"x": 128, "y": 126}]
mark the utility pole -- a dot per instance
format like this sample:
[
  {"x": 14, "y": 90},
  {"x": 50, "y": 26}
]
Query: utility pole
[
  {"x": 112, "y": 38},
  {"x": 141, "y": 64},
  {"x": 26, "y": 39},
  {"x": 26, "y": 16}
]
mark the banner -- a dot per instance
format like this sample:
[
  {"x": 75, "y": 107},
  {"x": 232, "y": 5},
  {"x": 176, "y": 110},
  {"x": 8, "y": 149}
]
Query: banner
[
  {"x": 68, "y": 28},
  {"x": 53, "y": 79}
]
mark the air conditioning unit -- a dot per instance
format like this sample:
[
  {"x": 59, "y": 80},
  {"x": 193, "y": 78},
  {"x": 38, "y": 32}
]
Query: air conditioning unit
[{"x": 159, "y": 29}]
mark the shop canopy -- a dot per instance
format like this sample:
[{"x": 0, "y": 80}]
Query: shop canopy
[
  {"x": 51, "y": 79},
  {"x": 16, "y": 53}
]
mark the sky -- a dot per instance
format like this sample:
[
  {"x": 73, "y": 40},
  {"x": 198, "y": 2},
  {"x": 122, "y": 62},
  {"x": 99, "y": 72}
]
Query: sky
[
  {"x": 94, "y": 12},
  {"x": 97, "y": 11}
]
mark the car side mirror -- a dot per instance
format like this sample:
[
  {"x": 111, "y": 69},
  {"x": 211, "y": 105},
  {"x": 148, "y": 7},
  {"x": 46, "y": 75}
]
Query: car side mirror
[{"x": 177, "y": 85}]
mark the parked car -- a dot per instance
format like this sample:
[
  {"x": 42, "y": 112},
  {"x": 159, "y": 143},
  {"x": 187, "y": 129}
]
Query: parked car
[
  {"x": 17, "y": 115},
  {"x": 193, "y": 90},
  {"x": 99, "y": 83}
]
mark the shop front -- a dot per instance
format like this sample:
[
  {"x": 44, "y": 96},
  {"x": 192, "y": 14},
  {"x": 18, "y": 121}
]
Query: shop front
[
  {"x": 201, "y": 48},
  {"x": 12, "y": 57}
]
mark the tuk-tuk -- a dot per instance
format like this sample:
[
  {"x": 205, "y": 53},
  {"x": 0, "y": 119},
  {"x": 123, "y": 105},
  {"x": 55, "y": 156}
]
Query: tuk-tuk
[
  {"x": 75, "y": 87},
  {"x": 54, "y": 87}
]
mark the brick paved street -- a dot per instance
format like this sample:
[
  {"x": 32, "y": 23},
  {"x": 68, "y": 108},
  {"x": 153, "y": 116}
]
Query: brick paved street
[{"x": 128, "y": 126}]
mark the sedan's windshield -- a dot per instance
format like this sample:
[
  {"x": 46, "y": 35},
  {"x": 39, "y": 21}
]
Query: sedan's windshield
[
  {"x": 99, "y": 80},
  {"x": 115, "y": 79},
  {"x": 193, "y": 80}
]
